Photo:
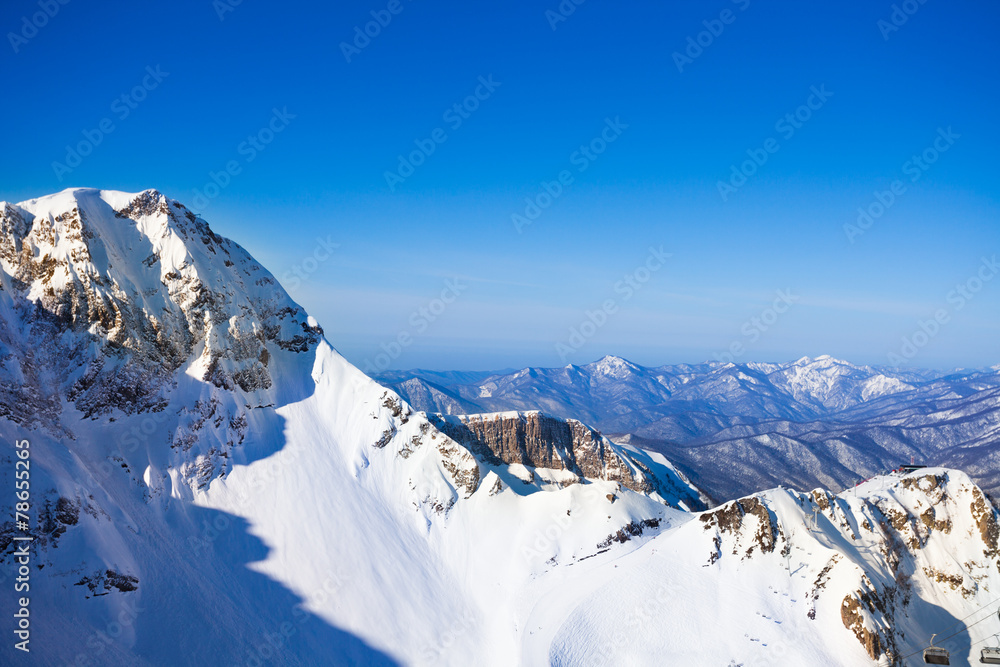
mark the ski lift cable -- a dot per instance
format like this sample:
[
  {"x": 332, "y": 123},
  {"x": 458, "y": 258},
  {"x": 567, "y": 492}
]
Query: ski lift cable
[
  {"x": 961, "y": 620},
  {"x": 982, "y": 640},
  {"x": 963, "y": 629},
  {"x": 908, "y": 655}
]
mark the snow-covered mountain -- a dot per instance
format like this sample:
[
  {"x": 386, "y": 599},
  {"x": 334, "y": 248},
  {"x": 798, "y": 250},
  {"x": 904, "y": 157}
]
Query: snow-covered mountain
[
  {"x": 739, "y": 428},
  {"x": 200, "y": 452},
  {"x": 789, "y": 578},
  {"x": 211, "y": 483},
  {"x": 615, "y": 391}
]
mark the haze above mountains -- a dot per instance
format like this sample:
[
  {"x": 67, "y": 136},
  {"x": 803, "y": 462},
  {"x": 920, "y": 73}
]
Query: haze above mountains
[{"x": 212, "y": 483}]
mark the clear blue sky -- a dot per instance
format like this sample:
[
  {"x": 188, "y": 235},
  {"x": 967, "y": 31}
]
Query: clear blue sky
[{"x": 657, "y": 184}]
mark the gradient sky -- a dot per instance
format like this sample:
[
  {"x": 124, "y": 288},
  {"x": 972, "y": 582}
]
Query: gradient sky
[{"x": 323, "y": 175}]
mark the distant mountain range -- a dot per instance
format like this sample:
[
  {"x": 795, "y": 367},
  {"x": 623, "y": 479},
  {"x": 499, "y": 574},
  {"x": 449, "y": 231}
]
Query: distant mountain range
[
  {"x": 211, "y": 483},
  {"x": 735, "y": 429}
]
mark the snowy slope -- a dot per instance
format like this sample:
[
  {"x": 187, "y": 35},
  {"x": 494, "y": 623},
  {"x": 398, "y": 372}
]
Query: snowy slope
[
  {"x": 202, "y": 455},
  {"x": 213, "y": 484},
  {"x": 754, "y": 583}
]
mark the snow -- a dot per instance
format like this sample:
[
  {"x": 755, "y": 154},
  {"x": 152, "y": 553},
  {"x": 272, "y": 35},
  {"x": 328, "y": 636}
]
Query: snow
[
  {"x": 612, "y": 366},
  {"x": 663, "y": 600},
  {"x": 347, "y": 517}
]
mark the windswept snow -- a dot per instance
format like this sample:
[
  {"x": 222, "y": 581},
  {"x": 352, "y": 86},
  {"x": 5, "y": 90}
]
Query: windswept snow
[{"x": 212, "y": 483}]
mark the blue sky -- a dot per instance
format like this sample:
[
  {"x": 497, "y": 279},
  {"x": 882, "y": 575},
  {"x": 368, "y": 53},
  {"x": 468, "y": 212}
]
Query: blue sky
[{"x": 889, "y": 91}]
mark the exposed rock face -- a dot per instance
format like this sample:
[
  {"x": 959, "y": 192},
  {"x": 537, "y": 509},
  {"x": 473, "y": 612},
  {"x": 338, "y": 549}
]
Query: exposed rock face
[
  {"x": 537, "y": 440},
  {"x": 741, "y": 428},
  {"x": 865, "y": 604},
  {"x": 986, "y": 523},
  {"x": 750, "y": 523},
  {"x": 141, "y": 282},
  {"x": 890, "y": 541},
  {"x": 111, "y": 300},
  {"x": 147, "y": 358}
]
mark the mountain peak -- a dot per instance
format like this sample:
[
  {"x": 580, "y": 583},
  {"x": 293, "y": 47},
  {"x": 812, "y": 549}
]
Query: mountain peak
[
  {"x": 613, "y": 366},
  {"x": 66, "y": 200},
  {"x": 823, "y": 358},
  {"x": 148, "y": 282}
]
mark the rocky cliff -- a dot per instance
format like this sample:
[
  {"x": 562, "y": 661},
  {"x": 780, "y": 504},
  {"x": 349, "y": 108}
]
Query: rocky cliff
[
  {"x": 149, "y": 288},
  {"x": 536, "y": 440},
  {"x": 876, "y": 555}
]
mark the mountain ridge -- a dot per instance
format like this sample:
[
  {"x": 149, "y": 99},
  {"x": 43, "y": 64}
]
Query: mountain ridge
[
  {"x": 824, "y": 421},
  {"x": 176, "y": 399},
  {"x": 196, "y": 501}
]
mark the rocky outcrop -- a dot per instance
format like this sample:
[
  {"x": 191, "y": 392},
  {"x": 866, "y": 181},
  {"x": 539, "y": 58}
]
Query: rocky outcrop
[
  {"x": 749, "y": 522},
  {"x": 864, "y": 604},
  {"x": 885, "y": 544},
  {"x": 540, "y": 441},
  {"x": 140, "y": 283},
  {"x": 534, "y": 439},
  {"x": 986, "y": 523},
  {"x": 112, "y": 301}
]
